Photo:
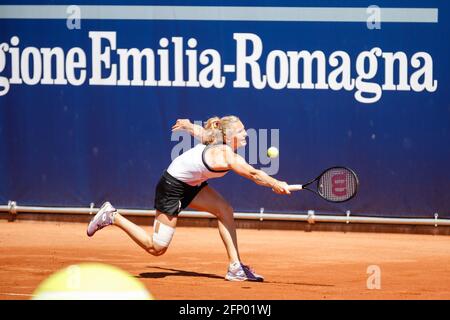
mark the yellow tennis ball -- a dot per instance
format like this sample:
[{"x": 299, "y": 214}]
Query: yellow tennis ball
[
  {"x": 91, "y": 281},
  {"x": 272, "y": 152}
]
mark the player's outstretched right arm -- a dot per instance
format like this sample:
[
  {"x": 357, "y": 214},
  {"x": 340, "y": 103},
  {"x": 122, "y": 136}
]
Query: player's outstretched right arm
[{"x": 241, "y": 167}]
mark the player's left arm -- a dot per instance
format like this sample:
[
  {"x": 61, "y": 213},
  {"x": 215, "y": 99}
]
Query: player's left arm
[{"x": 185, "y": 124}]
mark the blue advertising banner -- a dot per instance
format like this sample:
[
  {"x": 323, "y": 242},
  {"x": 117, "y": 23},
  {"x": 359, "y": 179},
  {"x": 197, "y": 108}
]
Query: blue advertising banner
[{"x": 89, "y": 93}]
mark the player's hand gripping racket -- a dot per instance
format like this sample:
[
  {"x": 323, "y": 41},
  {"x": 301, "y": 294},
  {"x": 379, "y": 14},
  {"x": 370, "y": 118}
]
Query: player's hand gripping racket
[{"x": 336, "y": 184}]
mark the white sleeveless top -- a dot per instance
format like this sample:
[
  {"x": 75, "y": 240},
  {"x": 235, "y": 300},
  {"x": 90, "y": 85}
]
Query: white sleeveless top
[{"x": 191, "y": 167}]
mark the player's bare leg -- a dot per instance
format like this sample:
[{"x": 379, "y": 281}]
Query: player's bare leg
[
  {"x": 211, "y": 201},
  {"x": 140, "y": 236}
]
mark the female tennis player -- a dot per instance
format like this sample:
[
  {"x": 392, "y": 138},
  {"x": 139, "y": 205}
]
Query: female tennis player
[{"x": 184, "y": 184}]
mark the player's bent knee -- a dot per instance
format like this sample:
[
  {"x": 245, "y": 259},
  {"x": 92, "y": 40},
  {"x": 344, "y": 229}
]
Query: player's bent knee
[
  {"x": 157, "y": 251},
  {"x": 148, "y": 244},
  {"x": 162, "y": 236}
]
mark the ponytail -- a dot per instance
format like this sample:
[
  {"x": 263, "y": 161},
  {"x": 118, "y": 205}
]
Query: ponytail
[{"x": 213, "y": 131}]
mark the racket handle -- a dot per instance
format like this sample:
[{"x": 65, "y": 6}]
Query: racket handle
[{"x": 295, "y": 187}]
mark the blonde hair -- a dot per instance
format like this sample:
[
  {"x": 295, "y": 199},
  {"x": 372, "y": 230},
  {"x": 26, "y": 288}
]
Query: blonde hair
[{"x": 216, "y": 128}]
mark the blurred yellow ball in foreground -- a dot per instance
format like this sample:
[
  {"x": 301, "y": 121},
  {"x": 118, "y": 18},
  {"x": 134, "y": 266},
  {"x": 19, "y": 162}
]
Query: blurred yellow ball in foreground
[
  {"x": 272, "y": 152},
  {"x": 91, "y": 281}
]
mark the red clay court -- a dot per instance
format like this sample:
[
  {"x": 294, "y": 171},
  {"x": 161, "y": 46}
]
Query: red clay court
[{"x": 296, "y": 264}]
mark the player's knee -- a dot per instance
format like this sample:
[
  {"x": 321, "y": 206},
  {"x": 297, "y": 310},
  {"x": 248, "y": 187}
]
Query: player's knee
[
  {"x": 148, "y": 244},
  {"x": 157, "y": 251},
  {"x": 162, "y": 236},
  {"x": 153, "y": 248}
]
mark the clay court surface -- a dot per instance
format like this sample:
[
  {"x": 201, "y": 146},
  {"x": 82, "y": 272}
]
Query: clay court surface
[{"x": 296, "y": 264}]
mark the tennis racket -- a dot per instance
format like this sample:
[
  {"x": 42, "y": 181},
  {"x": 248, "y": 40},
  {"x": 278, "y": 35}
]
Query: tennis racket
[{"x": 336, "y": 184}]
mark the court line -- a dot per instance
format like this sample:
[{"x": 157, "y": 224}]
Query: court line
[
  {"x": 219, "y": 13},
  {"x": 16, "y": 294}
]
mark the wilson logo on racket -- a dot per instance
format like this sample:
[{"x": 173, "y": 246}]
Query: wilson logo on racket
[{"x": 339, "y": 184}]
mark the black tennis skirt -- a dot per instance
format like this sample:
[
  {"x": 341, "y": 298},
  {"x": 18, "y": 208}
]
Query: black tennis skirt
[{"x": 173, "y": 195}]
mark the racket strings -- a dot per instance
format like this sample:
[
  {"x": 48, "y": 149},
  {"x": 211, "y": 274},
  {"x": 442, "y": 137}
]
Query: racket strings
[{"x": 337, "y": 184}]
